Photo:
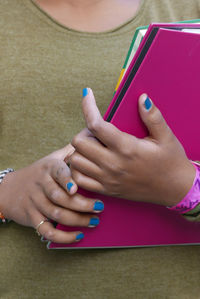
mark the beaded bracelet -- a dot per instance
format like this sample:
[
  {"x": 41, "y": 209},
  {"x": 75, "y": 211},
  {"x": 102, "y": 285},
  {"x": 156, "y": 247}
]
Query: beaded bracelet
[
  {"x": 2, "y": 175},
  {"x": 192, "y": 198}
]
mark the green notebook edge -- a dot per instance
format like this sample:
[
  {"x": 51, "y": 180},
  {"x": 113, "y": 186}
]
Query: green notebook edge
[{"x": 138, "y": 29}]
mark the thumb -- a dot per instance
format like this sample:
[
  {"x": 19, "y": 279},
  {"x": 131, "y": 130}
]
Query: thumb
[
  {"x": 62, "y": 155},
  {"x": 153, "y": 119},
  {"x": 91, "y": 112},
  {"x": 104, "y": 131}
]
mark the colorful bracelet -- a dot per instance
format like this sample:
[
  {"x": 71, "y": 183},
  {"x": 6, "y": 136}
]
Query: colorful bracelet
[
  {"x": 3, "y": 219},
  {"x": 2, "y": 175},
  {"x": 192, "y": 198}
]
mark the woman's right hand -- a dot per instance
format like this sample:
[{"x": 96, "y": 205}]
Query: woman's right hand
[{"x": 45, "y": 190}]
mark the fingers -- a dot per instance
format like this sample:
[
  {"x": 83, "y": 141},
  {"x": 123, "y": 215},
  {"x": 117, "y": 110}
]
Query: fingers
[
  {"x": 64, "y": 216},
  {"x": 85, "y": 166},
  {"x": 108, "y": 134},
  {"x": 60, "y": 172},
  {"x": 77, "y": 202},
  {"x": 153, "y": 119},
  {"x": 90, "y": 148},
  {"x": 87, "y": 183},
  {"x": 62, "y": 153},
  {"x": 50, "y": 233},
  {"x": 96, "y": 155}
]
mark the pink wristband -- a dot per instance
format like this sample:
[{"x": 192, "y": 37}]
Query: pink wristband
[{"x": 192, "y": 198}]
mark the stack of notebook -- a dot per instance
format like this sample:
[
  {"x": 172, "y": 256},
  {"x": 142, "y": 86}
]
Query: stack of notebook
[
  {"x": 164, "y": 62},
  {"x": 137, "y": 38}
]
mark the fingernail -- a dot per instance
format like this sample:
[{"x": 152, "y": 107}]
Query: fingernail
[
  {"x": 85, "y": 92},
  {"x": 69, "y": 186},
  {"x": 80, "y": 236},
  {"x": 94, "y": 222},
  {"x": 147, "y": 103},
  {"x": 98, "y": 206}
]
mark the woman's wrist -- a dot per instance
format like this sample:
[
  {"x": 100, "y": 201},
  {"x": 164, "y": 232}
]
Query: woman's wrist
[
  {"x": 192, "y": 198},
  {"x": 3, "y": 173}
]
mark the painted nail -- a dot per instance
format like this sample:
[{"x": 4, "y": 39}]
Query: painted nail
[
  {"x": 94, "y": 222},
  {"x": 148, "y": 103},
  {"x": 98, "y": 206},
  {"x": 69, "y": 186},
  {"x": 85, "y": 92},
  {"x": 80, "y": 236}
]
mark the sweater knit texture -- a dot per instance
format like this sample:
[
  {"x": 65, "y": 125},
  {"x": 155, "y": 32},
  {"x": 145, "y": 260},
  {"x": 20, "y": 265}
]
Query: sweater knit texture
[{"x": 43, "y": 68}]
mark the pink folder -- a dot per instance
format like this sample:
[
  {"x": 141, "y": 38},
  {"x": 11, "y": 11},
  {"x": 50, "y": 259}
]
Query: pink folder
[{"x": 170, "y": 74}]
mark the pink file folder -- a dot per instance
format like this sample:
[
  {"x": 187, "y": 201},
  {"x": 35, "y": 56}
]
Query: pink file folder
[{"x": 170, "y": 75}]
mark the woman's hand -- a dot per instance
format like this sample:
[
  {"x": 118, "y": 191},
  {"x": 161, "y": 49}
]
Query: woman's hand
[
  {"x": 154, "y": 169},
  {"x": 45, "y": 190}
]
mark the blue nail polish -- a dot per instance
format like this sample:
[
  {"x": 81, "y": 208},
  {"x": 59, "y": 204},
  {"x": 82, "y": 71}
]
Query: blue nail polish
[
  {"x": 98, "y": 206},
  {"x": 85, "y": 92},
  {"x": 80, "y": 236},
  {"x": 94, "y": 222},
  {"x": 147, "y": 103},
  {"x": 69, "y": 186}
]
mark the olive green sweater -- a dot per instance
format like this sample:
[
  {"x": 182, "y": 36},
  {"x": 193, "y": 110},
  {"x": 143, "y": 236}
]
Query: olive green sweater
[{"x": 43, "y": 68}]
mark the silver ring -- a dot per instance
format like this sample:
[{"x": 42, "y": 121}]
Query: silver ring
[{"x": 38, "y": 226}]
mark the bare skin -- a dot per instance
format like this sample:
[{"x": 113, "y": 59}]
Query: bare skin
[
  {"x": 90, "y": 15},
  {"x": 154, "y": 169},
  {"x": 39, "y": 191}
]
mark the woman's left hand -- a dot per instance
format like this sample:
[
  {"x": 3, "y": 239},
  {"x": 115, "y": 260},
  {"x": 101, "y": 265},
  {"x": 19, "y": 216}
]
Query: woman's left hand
[{"x": 154, "y": 169}]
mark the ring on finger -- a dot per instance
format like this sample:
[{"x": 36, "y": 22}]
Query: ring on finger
[{"x": 38, "y": 226}]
